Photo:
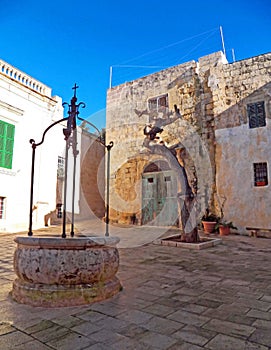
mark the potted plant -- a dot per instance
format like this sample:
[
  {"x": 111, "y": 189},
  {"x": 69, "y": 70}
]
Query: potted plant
[
  {"x": 209, "y": 221},
  {"x": 225, "y": 227}
]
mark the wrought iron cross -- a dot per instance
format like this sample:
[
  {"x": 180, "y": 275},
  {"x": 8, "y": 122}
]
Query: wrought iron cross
[{"x": 74, "y": 88}]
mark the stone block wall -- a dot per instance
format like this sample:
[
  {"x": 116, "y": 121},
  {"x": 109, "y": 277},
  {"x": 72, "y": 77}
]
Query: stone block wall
[
  {"x": 211, "y": 96},
  {"x": 238, "y": 147}
]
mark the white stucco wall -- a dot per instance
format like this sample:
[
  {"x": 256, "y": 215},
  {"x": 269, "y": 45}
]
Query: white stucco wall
[
  {"x": 31, "y": 112},
  {"x": 237, "y": 149}
]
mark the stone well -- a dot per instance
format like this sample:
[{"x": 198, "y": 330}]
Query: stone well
[{"x": 54, "y": 272}]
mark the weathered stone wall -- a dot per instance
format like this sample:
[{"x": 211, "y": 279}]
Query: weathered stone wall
[
  {"x": 238, "y": 146},
  {"x": 211, "y": 96}
]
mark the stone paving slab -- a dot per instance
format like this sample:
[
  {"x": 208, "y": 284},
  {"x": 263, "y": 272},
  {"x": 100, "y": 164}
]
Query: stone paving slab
[
  {"x": 172, "y": 298},
  {"x": 224, "y": 342}
]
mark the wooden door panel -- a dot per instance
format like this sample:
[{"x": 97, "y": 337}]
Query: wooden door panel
[{"x": 159, "y": 199}]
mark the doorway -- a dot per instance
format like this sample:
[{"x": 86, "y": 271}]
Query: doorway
[{"x": 159, "y": 195}]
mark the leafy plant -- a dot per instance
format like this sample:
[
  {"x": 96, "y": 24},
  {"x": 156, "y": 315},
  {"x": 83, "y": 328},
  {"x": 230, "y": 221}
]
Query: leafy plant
[
  {"x": 225, "y": 223},
  {"x": 208, "y": 216}
]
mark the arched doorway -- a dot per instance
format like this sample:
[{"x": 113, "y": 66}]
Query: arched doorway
[{"x": 159, "y": 195}]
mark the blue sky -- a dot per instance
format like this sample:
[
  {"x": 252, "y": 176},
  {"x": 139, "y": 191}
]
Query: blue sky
[{"x": 62, "y": 42}]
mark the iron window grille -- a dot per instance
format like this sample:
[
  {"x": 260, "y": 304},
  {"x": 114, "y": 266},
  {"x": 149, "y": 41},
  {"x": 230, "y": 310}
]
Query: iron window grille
[
  {"x": 256, "y": 114},
  {"x": 60, "y": 167},
  {"x": 260, "y": 174},
  {"x": 59, "y": 210},
  {"x": 158, "y": 104},
  {"x": 2, "y": 207},
  {"x": 6, "y": 144}
]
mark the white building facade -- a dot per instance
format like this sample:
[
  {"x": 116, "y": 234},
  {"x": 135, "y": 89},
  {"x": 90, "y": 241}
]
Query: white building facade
[{"x": 27, "y": 108}]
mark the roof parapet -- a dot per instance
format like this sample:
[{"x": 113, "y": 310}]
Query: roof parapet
[{"x": 24, "y": 79}]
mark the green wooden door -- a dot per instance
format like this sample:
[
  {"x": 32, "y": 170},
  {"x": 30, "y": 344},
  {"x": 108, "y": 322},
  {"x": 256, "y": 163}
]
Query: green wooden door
[{"x": 159, "y": 198}]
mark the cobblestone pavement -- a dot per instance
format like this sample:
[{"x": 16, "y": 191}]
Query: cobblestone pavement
[{"x": 173, "y": 298}]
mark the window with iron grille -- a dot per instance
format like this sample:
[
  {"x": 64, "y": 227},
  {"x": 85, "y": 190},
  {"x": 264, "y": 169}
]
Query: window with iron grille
[
  {"x": 60, "y": 167},
  {"x": 256, "y": 114},
  {"x": 158, "y": 104},
  {"x": 6, "y": 144},
  {"x": 59, "y": 210},
  {"x": 260, "y": 174},
  {"x": 2, "y": 207}
]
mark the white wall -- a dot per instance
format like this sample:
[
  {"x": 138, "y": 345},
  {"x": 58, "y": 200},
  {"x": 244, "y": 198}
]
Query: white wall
[
  {"x": 31, "y": 112},
  {"x": 236, "y": 150}
]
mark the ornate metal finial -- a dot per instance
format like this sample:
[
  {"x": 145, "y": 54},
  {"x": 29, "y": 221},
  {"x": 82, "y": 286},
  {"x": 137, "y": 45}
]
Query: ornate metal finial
[
  {"x": 72, "y": 112},
  {"x": 74, "y": 88}
]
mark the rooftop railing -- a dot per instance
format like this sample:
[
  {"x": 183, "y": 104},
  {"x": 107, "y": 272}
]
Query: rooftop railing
[{"x": 23, "y": 78}]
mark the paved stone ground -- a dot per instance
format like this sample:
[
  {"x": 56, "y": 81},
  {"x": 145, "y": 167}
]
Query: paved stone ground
[{"x": 172, "y": 298}]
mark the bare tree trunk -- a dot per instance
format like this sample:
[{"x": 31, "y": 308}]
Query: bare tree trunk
[{"x": 185, "y": 197}]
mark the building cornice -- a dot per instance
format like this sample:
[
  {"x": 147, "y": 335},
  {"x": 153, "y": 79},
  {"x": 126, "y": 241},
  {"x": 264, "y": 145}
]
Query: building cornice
[{"x": 10, "y": 108}]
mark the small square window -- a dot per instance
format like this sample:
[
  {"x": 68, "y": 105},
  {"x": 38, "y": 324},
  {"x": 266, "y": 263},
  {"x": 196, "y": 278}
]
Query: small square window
[
  {"x": 150, "y": 180},
  {"x": 260, "y": 174},
  {"x": 256, "y": 114}
]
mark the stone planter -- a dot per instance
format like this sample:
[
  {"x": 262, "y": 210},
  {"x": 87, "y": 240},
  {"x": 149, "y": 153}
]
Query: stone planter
[
  {"x": 53, "y": 272},
  {"x": 209, "y": 226}
]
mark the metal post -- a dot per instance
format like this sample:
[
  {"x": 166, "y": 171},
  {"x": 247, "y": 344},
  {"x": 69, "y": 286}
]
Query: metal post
[
  {"x": 30, "y": 233},
  {"x": 70, "y": 130},
  {"x": 34, "y": 146},
  {"x": 65, "y": 189},
  {"x": 110, "y": 77},
  {"x": 75, "y": 153},
  {"x": 222, "y": 39},
  {"x": 108, "y": 147},
  {"x": 233, "y": 55}
]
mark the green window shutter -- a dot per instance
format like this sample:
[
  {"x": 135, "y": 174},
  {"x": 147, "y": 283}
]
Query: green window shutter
[{"x": 6, "y": 144}]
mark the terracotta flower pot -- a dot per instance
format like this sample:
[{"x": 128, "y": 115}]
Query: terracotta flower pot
[
  {"x": 224, "y": 230},
  {"x": 209, "y": 226}
]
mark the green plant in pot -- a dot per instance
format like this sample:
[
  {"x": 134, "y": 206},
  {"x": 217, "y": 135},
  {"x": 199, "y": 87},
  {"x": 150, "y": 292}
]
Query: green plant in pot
[
  {"x": 225, "y": 227},
  {"x": 209, "y": 221}
]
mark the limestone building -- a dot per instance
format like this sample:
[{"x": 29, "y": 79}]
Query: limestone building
[
  {"x": 221, "y": 136},
  {"x": 27, "y": 108}
]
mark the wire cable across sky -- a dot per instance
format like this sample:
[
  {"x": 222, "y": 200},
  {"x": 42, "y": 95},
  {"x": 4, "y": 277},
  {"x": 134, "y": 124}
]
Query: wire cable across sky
[{"x": 164, "y": 57}]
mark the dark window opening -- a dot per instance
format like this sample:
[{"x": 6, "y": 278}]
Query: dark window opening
[
  {"x": 2, "y": 207},
  {"x": 167, "y": 178},
  {"x": 59, "y": 210},
  {"x": 159, "y": 165},
  {"x": 150, "y": 180},
  {"x": 260, "y": 174},
  {"x": 256, "y": 114}
]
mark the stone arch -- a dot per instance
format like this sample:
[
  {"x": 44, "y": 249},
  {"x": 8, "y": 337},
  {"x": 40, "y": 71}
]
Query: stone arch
[{"x": 155, "y": 166}]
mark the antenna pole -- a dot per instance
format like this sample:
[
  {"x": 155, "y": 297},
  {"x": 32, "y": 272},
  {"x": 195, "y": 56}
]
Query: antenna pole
[
  {"x": 222, "y": 39},
  {"x": 110, "y": 77},
  {"x": 233, "y": 55}
]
